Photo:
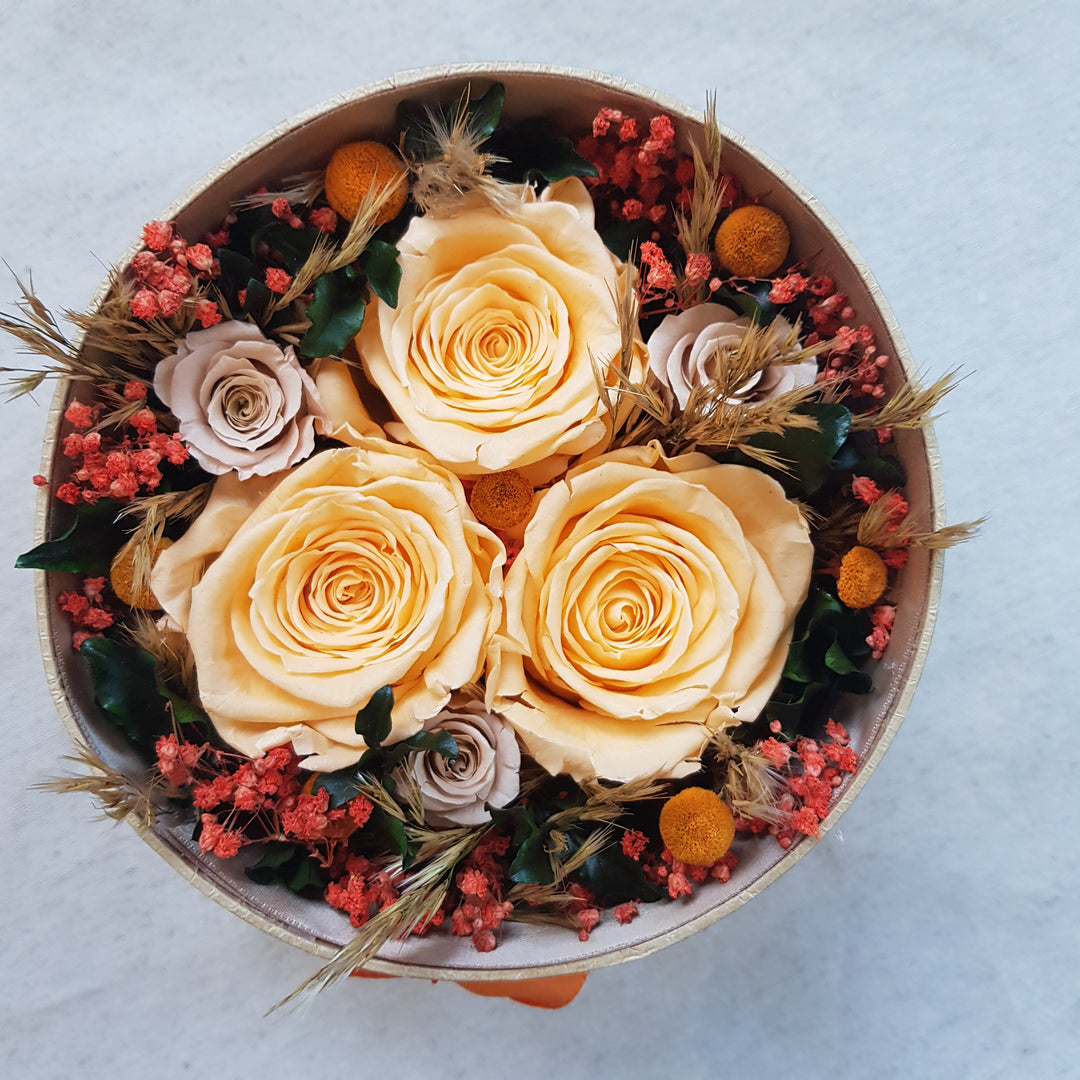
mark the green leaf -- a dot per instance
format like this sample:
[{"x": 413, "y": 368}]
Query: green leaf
[
  {"x": 624, "y": 236},
  {"x": 532, "y": 864},
  {"x": 293, "y": 245},
  {"x": 531, "y": 152},
  {"x": 388, "y": 831},
  {"x": 751, "y": 300},
  {"x": 336, "y": 314},
  {"x": 485, "y": 111},
  {"x": 413, "y": 120},
  {"x": 809, "y": 453},
  {"x": 290, "y": 865},
  {"x": 343, "y": 786},
  {"x": 373, "y": 722},
  {"x": 616, "y": 878},
  {"x": 836, "y": 660},
  {"x": 236, "y": 269},
  {"x": 183, "y": 710},
  {"x": 257, "y": 299},
  {"x": 125, "y": 686},
  {"x": 380, "y": 263},
  {"x": 87, "y": 547},
  {"x": 439, "y": 742}
]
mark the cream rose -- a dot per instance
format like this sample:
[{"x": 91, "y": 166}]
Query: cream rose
[
  {"x": 485, "y": 770},
  {"x": 362, "y": 568},
  {"x": 243, "y": 403},
  {"x": 652, "y": 603},
  {"x": 487, "y": 361},
  {"x": 684, "y": 351}
]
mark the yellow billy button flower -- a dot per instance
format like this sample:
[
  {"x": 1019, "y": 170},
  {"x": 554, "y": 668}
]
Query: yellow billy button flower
[
  {"x": 752, "y": 242},
  {"x": 357, "y": 167},
  {"x": 501, "y": 500},
  {"x": 696, "y": 826},
  {"x": 863, "y": 577},
  {"x": 122, "y": 576}
]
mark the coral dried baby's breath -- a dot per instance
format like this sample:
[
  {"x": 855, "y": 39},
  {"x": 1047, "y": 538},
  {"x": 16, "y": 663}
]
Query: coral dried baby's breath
[{"x": 421, "y": 895}]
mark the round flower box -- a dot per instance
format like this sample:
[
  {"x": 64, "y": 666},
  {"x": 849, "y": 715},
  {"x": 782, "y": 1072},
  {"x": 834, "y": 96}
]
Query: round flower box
[{"x": 571, "y": 99}]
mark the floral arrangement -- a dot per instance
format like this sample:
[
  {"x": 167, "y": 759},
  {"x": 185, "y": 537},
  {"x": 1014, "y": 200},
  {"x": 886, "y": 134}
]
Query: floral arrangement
[{"x": 483, "y": 528}]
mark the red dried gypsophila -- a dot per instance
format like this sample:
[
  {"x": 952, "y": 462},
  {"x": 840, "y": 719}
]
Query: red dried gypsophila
[
  {"x": 106, "y": 466},
  {"x": 168, "y": 271},
  {"x": 86, "y": 609},
  {"x": 641, "y": 175},
  {"x": 480, "y": 908},
  {"x": 809, "y": 771}
]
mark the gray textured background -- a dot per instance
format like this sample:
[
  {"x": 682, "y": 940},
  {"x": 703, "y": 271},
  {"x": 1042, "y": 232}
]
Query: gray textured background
[{"x": 934, "y": 933}]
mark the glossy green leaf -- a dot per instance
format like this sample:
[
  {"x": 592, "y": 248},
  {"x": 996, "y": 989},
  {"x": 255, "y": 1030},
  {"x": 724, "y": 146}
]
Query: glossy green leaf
[
  {"x": 615, "y": 878},
  {"x": 531, "y": 152},
  {"x": 125, "y": 686},
  {"x": 380, "y": 263},
  {"x": 809, "y": 453},
  {"x": 336, "y": 313},
  {"x": 373, "y": 722},
  {"x": 86, "y": 547},
  {"x": 343, "y": 786},
  {"x": 257, "y": 299}
]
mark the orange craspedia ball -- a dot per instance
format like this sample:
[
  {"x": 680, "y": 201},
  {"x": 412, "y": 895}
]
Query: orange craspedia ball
[
  {"x": 501, "y": 500},
  {"x": 122, "y": 576},
  {"x": 752, "y": 242},
  {"x": 863, "y": 577},
  {"x": 355, "y": 169},
  {"x": 696, "y": 826}
]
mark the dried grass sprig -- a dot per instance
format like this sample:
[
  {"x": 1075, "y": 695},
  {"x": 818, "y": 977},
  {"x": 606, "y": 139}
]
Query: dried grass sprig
[
  {"x": 621, "y": 394},
  {"x": 592, "y": 845},
  {"x": 606, "y": 803},
  {"x": 716, "y": 415},
  {"x": 326, "y": 257},
  {"x": 39, "y": 334},
  {"x": 117, "y": 796},
  {"x": 751, "y": 786},
  {"x": 878, "y": 528},
  {"x": 695, "y": 227},
  {"x": 169, "y": 648},
  {"x": 302, "y": 188},
  {"x": 909, "y": 407},
  {"x": 153, "y": 513},
  {"x": 458, "y": 168},
  {"x": 422, "y": 894}
]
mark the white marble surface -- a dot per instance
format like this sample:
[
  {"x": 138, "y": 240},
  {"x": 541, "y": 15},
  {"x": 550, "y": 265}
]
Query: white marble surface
[{"x": 934, "y": 934}]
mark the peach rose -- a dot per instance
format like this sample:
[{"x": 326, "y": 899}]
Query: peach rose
[
  {"x": 487, "y": 361},
  {"x": 652, "y": 603},
  {"x": 242, "y": 402},
  {"x": 684, "y": 350},
  {"x": 362, "y": 568}
]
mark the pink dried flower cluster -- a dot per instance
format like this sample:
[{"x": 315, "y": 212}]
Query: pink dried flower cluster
[
  {"x": 168, "y": 271},
  {"x": 87, "y": 610},
  {"x": 809, "y": 771},
  {"x": 117, "y": 468},
  {"x": 641, "y": 174}
]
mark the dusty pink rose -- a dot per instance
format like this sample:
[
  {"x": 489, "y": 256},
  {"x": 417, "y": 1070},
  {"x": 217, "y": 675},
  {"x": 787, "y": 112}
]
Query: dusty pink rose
[
  {"x": 485, "y": 771},
  {"x": 243, "y": 402},
  {"x": 685, "y": 348}
]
